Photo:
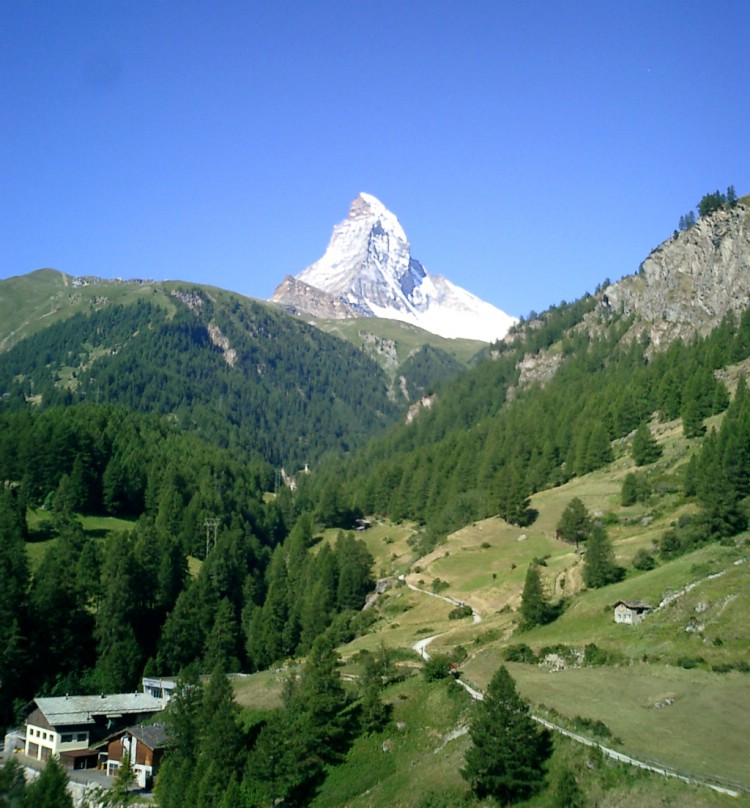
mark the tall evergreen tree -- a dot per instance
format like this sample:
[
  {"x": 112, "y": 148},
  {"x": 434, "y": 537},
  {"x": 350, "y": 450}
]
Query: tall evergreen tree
[
  {"x": 508, "y": 753},
  {"x": 183, "y": 717},
  {"x": 12, "y": 784},
  {"x": 50, "y": 789},
  {"x": 219, "y": 742},
  {"x": 575, "y": 522},
  {"x": 535, "y": 609},
  {"x": 14, "y": 574},
  {"x": 645, "y": 449},
  {"x": 599, "y": 566}
]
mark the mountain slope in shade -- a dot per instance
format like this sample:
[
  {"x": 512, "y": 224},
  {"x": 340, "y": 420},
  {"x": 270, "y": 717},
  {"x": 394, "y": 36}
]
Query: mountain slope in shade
[{"x": 368, "y": 271}]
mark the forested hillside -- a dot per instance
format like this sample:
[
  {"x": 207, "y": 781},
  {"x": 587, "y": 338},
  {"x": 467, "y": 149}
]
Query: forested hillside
[
  {"x": 99, "y": 603},
  {"x": 236, "y": 371},
  {"x": 492, "y": 441}
]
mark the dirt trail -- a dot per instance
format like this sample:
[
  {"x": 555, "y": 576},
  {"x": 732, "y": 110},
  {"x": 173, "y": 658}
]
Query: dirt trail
[{"x": 421, "y": 648}]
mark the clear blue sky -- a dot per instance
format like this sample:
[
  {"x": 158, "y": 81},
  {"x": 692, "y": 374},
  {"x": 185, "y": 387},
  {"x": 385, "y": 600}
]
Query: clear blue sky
[{"x": 529, "y": 149}]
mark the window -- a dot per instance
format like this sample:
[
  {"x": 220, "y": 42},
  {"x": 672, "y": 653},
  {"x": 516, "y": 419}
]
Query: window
[
  {"x": 82, "y": 736},
  {"x": 66, "y": 737}
]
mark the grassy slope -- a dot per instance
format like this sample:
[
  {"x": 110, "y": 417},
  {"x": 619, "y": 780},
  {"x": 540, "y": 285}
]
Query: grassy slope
[
  {"x": 406, "y": 338},
  {"x": 703, "y": 731},
  {"x": 101, "y": 528},
  {"x": 30, "y": 303}
]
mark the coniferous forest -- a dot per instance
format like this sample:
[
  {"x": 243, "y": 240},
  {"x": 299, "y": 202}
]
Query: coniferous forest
[{"x": 174, "y": 426}]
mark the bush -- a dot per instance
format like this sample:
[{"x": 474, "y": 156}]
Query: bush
[
  {"x": 635, "y": 488},
  {"x": 643, "y": 560},
  {"x": 459, "y": 653},
  {"x": 691, "y": 662},
  {"x": 437, "y": 667},
  {"x": 439, "y": 586},
  {"x": 519, "y": 652},
  {"x": 592, "y": 727},
  {"x": 460, "y": 612}
]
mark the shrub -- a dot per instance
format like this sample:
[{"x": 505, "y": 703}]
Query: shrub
[
  {"x": 593, "y": 727},
  {"x": 460, "y": 612},
  {"x": 519, "y": 652},
  {"x": 643, "y": 560},
  {"x": 437, "y": 667},
  {"x": 691, "y": 662}
]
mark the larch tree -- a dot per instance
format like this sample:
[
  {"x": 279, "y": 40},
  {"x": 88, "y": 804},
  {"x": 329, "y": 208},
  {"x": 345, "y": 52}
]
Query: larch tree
[
  {"x": 575, "y": 523},
  {"x": 535, "y": 608},
  {"x": 599, "y": 566},
  {"x": 508, "y": 754},
  {"x": 645, "y": 449}
]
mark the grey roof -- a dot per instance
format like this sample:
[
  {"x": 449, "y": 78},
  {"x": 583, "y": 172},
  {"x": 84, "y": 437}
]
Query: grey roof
[
  {"x": 69, "y": 710},
  {"x": 633, "y": 604},
  {"x": 155, "y": 736}
]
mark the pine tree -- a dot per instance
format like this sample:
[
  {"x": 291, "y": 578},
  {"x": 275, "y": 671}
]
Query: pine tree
[
  {"x": 535, "y": 609},
  {"x": 219, "y": 741},
  {"x": 222, "y": 643},
  {"x": 14, "y": 574},
  {"x": 50, "y": 789},
  {"x": 599, "y": 566},
  {"x": 508, "y": 753},
  {"x": 645, "y": 449},
  {"x": 175, "y": 783},
  {"x": 121, "y": 794},
  {"x": 575, "y": 523},
  {"x": 12, "y": 784}
]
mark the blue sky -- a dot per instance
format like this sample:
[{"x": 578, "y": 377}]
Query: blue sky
[{"x": 529, "y": 149}]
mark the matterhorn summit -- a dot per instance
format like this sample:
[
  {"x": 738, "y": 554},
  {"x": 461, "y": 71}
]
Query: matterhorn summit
[{"x": 368, "y": 271}]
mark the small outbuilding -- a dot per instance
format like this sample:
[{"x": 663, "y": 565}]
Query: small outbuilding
[{"x": 631, "y": 611}]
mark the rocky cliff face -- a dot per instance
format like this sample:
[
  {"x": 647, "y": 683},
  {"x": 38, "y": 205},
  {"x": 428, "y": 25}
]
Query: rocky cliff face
[
  {"x": 684, "y": 287},
  {"x": 298, "y": 297},
  {"x": 690, "y": 282}
]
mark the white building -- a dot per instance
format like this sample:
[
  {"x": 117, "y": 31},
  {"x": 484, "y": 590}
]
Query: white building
[{"x": 68, "y": 726}]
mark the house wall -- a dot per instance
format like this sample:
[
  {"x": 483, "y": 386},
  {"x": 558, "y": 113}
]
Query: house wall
[
  {"x": 631, "y": 616},
  {"x": 41, "y": 742},
  {"x": 142, "y": 771}
]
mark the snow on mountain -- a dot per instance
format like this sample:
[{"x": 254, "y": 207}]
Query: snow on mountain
[{"x": 368, "y": 270}]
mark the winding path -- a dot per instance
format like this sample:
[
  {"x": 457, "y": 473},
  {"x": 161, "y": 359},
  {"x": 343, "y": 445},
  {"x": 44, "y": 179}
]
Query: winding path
[{"x": 421, "y": 648}]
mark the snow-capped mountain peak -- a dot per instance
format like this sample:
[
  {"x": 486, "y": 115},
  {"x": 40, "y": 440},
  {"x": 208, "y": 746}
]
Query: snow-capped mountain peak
[{"x": 368, "y": 269}]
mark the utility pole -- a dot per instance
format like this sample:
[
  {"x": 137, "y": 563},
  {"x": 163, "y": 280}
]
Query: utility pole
[{"x": 212, "y": 527}]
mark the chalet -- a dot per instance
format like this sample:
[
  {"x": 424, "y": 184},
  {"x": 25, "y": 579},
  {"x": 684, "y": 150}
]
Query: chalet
[
  {"x": 70, "y": 726},
  {"x": 144, "y": 745},
  {"x": 630, "y": 611}
]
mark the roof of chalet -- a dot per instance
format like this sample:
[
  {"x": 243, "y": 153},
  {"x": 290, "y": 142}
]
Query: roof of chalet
[
  {"x": 155, "y": 736},
  {"x": 633, "y": 604},
  {"x": 72, "y": 710}
]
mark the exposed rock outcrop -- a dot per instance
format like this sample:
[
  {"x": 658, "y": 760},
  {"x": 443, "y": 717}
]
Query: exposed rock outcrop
[{"x": 690, "y": 282}]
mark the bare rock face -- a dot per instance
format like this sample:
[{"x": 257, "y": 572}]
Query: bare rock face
[
  {"x": 690, "y": 282},
  {"x": 298, "y": 297}
]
